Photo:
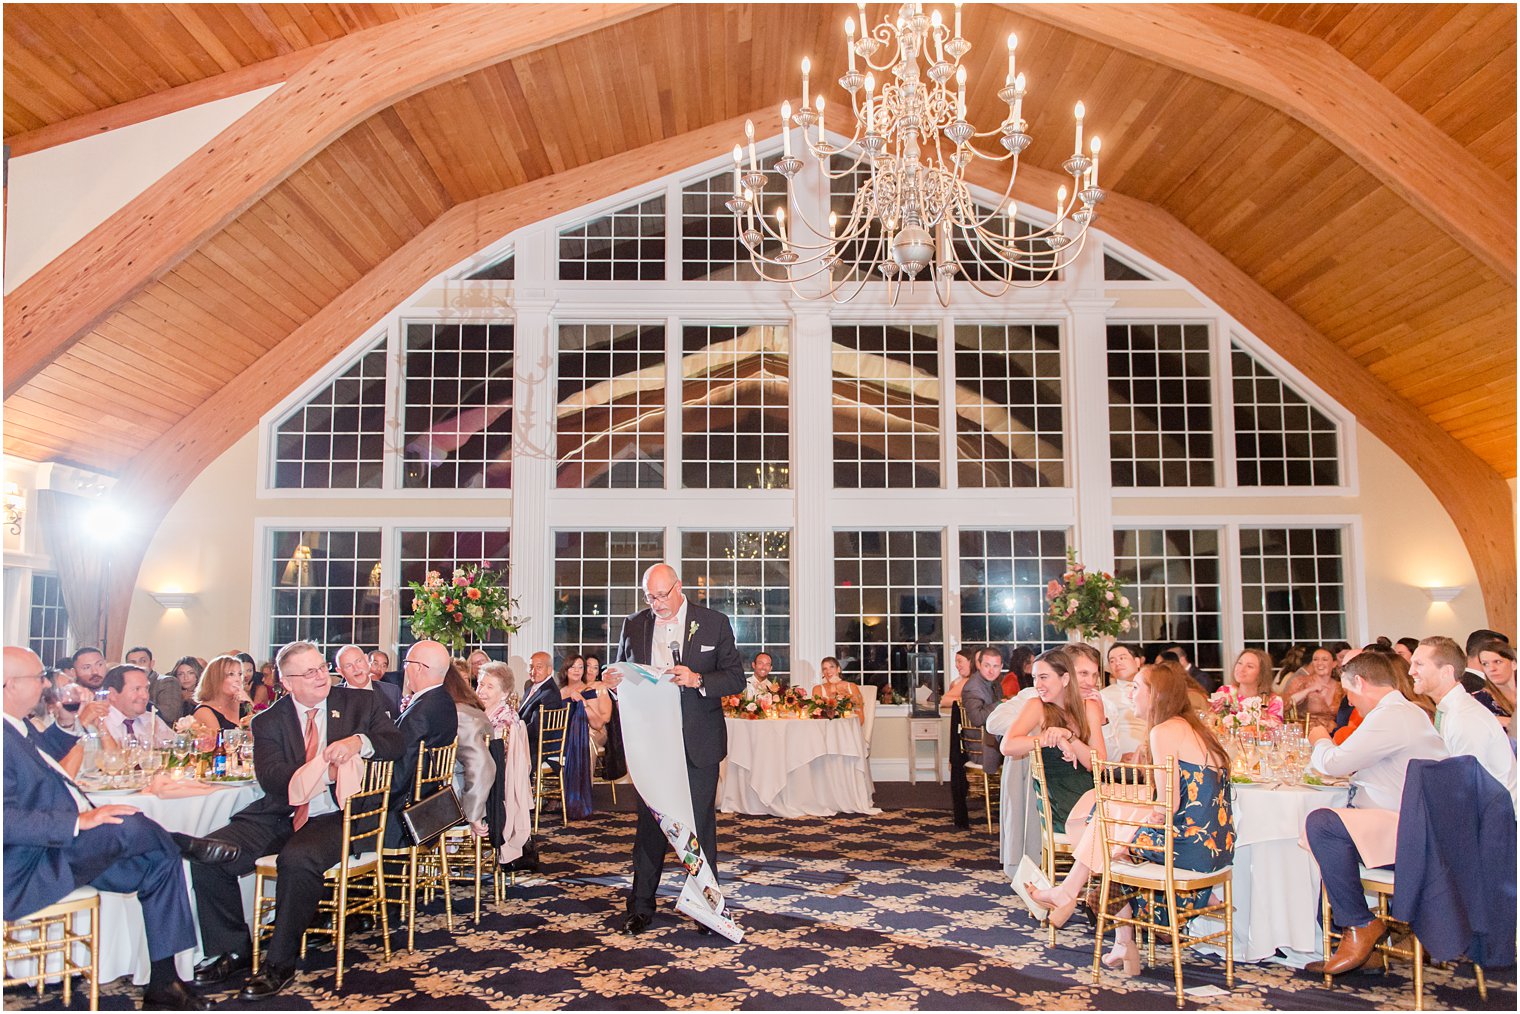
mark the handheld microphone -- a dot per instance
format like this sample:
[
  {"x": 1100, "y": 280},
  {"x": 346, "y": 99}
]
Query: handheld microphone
[{"x": 675, "y": 653}]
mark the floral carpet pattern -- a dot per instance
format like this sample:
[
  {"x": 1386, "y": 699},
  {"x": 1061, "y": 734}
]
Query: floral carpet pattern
[{"x": 896, "y": 911}]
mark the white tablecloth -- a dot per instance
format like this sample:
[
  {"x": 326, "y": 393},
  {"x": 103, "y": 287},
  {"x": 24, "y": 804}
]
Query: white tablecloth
[
  {"x": 800, "y": 767},
  {"x": 123, "y": 946},
  {"x": 1276, "y": 883}
]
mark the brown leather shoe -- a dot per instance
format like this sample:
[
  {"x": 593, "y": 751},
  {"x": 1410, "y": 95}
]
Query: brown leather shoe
[{"x": 1355, "y": 950}]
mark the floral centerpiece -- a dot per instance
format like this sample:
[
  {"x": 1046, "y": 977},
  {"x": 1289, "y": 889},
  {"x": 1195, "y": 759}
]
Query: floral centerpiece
[
  {"x": 464, "y": 609},
  {"x": 1090, "y": 603},
  {"x": 751, "y": 705},
  {"x": 1252, "y": 714}
]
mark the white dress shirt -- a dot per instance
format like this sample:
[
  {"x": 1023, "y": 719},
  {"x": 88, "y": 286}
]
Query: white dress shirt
[
  {"x": 666, "y": 631},
  {"x": 1467, "y": 727},
  {"x": 1125, "y": 731},
  {"x": 1376, "y": 755},
  {"x": 1002, "y": 717},
  {"x": 323, "y": 802},
  {"x": 143, "y": 726}
]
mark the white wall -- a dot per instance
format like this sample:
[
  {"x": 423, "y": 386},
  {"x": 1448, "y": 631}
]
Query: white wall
[{"x": 57, "y": 195}]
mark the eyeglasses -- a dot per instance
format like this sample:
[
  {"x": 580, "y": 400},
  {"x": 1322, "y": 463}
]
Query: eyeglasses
[
  {"x": 660, "y": 596},
  {"x": 416, "y": 661},
  {"x": 314, "y": 673},
  {"x": 29, "y": 676}
]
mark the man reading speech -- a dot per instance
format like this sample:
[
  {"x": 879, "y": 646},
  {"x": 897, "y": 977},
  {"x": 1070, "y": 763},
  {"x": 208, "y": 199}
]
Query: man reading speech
[{"x": 696, "y": 646}]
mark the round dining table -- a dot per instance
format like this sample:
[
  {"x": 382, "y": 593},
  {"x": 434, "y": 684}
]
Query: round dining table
[
  {"x": 796, "y": 767},
  {"x": 123, "y": 945}
]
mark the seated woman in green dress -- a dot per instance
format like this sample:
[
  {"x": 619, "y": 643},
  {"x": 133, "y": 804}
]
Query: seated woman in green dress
[
  {"x": 1065, "y": 728},
  {"x": 1204, "y": 829}
]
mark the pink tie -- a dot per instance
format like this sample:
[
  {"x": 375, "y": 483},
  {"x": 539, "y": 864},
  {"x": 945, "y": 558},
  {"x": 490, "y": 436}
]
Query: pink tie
[{"x": 299, "y": 817}]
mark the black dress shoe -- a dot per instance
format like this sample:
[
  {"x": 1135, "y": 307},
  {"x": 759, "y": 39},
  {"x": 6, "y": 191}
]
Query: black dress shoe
[
  {"x": 211, "y": 851},
  {"x": 220, "y": 969},
  {"x": 270, "y": 980},
  {"x": 704, "y": 930},
  {"x": 177, "y": 996},
  {"x": 635, "y": 923}
]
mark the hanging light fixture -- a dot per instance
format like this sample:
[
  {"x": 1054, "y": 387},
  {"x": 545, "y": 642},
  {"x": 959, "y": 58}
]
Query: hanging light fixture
[{"x": 913, "y": 216}]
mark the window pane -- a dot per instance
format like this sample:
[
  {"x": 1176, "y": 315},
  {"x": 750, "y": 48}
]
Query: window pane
[
  {"x": 1280, "y": 439},
  {"x": 503, "y": 269},
  {"x": 1002, "y": 580},
  {"x": 1160, "y": 393},
  {"x": 747, "y": 577},
  {"x": 422, "y": 551},
  {"x": 734, "y": 420},
  {"x": 1007, "y": 396},
  {"x": 325, "y": 588},
  {"x": 710, "y": 245},
  {"x": 1293, "y": 587},
  {"x": 886, "y": 605},
  {"x": 596, "y": 585},
  {"x": 611, "y": 414},
  {"x": 1171, "y": 576},
  {"x": 886, "y": 407},
  {"x": 458, "y": 406},
  {"x": 334, "y": 440},
  {"x": 48, "y": 630},
  {"x": 627, "y": 245}
]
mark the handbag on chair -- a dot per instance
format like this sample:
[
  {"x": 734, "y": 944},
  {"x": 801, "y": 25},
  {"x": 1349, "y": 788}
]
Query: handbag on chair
[{"x": 429, "y": 817}]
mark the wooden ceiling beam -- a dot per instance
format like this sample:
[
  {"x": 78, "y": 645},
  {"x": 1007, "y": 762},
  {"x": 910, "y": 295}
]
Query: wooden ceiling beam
[
  {"x": 1476, "y": 497},
  {"x": 352, "y": 79},
  {"x": 1309, "y": 80},
  {"x": 171, "y": 100}
]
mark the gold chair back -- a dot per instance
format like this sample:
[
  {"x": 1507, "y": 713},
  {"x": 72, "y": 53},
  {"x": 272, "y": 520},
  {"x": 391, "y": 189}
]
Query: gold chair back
[
  {"x": 553, "y": 725},
  {"x": 435, "y": 769},
  {"x": 972, "y": 737}
]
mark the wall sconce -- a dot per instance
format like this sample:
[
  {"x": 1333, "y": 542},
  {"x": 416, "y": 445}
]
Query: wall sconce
[
  {"x": 15, "y": 508},
  {"x": 172, "y": 599},
  {"x": 1443, "y": 594}
]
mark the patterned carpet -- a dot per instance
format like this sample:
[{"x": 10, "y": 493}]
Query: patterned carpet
[{"x": 896, "y": 911}]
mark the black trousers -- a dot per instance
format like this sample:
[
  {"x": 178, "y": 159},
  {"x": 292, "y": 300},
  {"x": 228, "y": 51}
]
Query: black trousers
[
  {"x": 303, "y": 856},
  {"x": 650, "y": 846}
]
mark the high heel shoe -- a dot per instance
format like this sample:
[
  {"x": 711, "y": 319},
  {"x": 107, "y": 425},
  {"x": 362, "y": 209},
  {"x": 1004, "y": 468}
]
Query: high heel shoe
[
  {"x": 1059, "y": 906},
  {"x": 1127, "y": 958}
]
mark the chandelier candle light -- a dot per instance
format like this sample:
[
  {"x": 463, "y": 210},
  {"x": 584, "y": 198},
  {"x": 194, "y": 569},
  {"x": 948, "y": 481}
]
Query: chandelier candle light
[{"x": 915, "y": 210}]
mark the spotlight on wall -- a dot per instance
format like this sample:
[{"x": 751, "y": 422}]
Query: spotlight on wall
[
  {"x": 15, "y": 508},
  {"x": 173, "y": 599},
  {"x": 1443, "y": 593}
]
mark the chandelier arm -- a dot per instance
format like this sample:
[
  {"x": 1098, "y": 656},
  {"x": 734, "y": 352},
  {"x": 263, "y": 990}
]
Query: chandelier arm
[{"x": 944, "y": 300}]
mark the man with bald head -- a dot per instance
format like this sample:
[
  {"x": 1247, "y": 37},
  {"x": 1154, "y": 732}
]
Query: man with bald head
[
  {"x": 429, "y": 719},
  {"x": 57, "y": 839},
  {"x": 357, "y": 674},
  {"x": 696, "y": 646}
]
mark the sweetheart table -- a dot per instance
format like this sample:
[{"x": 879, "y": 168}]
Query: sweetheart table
[{"x": 796, "y": 767}]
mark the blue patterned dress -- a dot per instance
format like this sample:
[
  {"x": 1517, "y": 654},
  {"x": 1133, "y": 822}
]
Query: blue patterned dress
[
  {"x": 578, "y": 804},
  {"x": 1203, "y": 838}
]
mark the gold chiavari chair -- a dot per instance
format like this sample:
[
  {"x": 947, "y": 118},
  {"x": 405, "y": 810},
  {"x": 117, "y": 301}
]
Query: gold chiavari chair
[
  {"x": 977, "y": 776},
  {"x": 1055, "y": 847},
  {"x": 1379, "y": 884},
  {"x": 549, "y": 780},
  {"x": 1124, "y": 809},
  {"x": 357, "y": 879},
  {"x": 425, "y": 866},
  {"x": 466, "y": 843},
  {"x": 49, "y": 933}
]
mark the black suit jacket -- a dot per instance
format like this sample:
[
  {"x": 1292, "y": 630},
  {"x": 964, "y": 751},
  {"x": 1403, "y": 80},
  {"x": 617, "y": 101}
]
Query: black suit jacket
[
  {"x": 708, "y": 649},
  {"x": 432, "y": 720},
  {"x": 279, "y": 743},
  {"x": 536, "y": 699}
]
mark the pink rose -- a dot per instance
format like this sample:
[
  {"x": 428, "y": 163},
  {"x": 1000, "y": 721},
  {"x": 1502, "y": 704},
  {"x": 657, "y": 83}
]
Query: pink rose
[
  {"x": 1052, "y": 589},
  {"x": 460, "y": 582}
]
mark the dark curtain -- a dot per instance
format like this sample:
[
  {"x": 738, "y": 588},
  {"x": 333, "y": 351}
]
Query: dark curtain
[{"x": 79, "y": 562}]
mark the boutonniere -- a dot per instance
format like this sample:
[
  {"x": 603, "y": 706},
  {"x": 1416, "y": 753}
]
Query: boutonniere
[
  {"x": 691, "y": 630},
  {"x": 334, "y": 713}
]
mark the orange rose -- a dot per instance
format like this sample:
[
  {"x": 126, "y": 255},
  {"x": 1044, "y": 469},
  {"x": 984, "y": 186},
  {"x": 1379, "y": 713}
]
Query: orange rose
[{"x": 473, "y": 593}]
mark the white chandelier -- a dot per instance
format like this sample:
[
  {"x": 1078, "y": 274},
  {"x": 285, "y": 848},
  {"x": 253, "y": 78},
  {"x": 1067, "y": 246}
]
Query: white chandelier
[{"x": 914, "y": 211}]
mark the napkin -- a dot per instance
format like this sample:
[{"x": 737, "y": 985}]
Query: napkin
[
  {"x": 165, "y": 787},
  {"x": 314, "y": 776}
]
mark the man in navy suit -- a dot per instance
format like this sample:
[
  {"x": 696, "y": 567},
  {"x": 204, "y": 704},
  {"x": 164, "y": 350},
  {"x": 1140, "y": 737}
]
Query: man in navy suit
[
  {"x": 696, "y": 645},
  {"x": 313, "y": 719},
  {"x": 57, "y": 839},
  {"x": 354, "y": 667},
  {"x": 430, "y": 720}
]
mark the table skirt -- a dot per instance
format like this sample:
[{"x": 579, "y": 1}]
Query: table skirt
[{"x": 796, "y": 768}]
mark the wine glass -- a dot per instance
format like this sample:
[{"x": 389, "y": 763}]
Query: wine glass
[
  {"x": 151, "y": 760},
  {"x": 113, "y": 761}
]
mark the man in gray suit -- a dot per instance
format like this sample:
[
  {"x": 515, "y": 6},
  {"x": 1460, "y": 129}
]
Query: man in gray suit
[{"x": 984, "y": 692}]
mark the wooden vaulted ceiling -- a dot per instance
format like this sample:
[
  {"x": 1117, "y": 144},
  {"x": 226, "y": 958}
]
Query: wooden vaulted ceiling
[{"x": 194, "y": 287}]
